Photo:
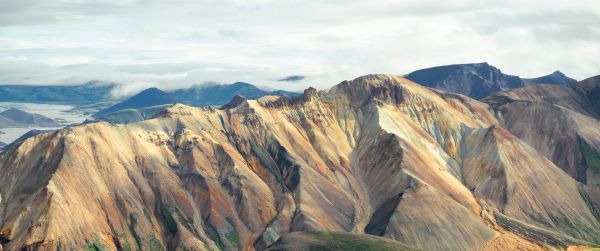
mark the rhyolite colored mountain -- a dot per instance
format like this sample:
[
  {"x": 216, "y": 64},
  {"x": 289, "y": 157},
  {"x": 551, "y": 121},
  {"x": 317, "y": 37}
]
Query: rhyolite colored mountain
[
  {"x": 378, "y": 155},
  {"x": 560, "y": 122},
  {"x": 478, "y": 80},
  {"x": 221, "y": 94},
  {"x": 146, "y": 98}
]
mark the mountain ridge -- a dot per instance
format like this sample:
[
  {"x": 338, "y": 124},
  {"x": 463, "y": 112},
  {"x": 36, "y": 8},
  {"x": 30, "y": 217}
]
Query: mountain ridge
[
  {"x": 367, "y": 153},
  {"x": 478, "y": 80}
]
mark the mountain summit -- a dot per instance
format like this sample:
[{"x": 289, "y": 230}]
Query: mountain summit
[
  {"x": 478, "y": 80},
  {"x": 146, "y": 98}
]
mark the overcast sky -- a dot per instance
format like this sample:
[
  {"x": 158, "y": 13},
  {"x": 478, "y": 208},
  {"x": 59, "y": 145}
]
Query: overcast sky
[{"x": 179, "y": 43}]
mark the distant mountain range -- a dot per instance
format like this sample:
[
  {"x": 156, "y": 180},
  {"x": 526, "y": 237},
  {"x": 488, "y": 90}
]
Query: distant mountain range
[
  {"x": 149, "y": 102},
  {"x": 97, "y": 92},
  {"x": 479, "y": 80},
  {"x": 90, "y": 93},
  {"x": 17, "y": 118},
  {"x": 222, "y": 94},
  {"x": 146, "y": 98}
]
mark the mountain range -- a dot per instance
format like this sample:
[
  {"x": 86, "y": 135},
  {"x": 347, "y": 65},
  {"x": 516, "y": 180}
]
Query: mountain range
[
  {"x": 99, "y": 92},
  {"x": 378, "y": 155},
  {"x": 149, "y": 102},
  {"x": 479, "y": 80}
]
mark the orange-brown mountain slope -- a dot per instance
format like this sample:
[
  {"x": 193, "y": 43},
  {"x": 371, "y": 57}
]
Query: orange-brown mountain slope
[
  {"x": 378, "y": 155},
  {"x": 560, "y": 122}
]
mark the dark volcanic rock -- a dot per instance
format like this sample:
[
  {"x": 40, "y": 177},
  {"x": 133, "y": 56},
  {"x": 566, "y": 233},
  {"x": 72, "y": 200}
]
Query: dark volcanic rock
[{"x": 478, "y": 80}]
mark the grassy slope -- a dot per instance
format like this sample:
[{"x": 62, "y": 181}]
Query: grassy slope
[{"x": 336, "y": 241}]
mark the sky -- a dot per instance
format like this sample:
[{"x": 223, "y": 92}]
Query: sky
[{"x": 174, "y": 44}]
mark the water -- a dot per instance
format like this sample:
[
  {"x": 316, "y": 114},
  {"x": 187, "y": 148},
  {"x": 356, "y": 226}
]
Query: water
[{"x": 64, "y": 113}]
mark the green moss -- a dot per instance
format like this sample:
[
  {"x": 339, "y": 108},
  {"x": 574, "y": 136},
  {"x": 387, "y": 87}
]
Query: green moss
[
  {"x": 213, "y": 234},
  {"x": 92, "y": 247},
  {"x": 154, "y": 244},
  {"x": 347, "y": 242},
  {"x": 147, "y": 215},
  {"x": 183, "y": 221},
  {"x": 539, "y": 234},
  {"x": 591, "y": 155},
  {"x": 134, "y": 234},
  {"x": 169, "y": 221},
  {"x": 126, "y": 246},
  {"x": 232, "y": 236},
  {"x": 577, "y": 229},
  {"x": 588, "y": 202}
]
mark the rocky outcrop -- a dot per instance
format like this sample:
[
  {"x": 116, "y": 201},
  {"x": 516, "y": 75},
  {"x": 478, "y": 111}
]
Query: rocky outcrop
[{"x": 377, "y": 155}]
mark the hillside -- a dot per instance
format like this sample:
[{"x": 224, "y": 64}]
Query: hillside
[
  {"x": 560, "y": 122},
  {"x": 377, "y": 155}
]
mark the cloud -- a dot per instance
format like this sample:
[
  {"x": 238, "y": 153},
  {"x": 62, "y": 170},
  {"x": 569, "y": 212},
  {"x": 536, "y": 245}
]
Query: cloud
[{"x": 180, "y": 43}]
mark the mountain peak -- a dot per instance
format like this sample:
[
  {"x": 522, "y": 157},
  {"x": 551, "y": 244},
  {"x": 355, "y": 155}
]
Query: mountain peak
[
  {"x": 151, "y": 91},
  {"x": 235, "y": 101},
  {"x": 148, "y": 97},
  {"x": 478, "y": 80}
]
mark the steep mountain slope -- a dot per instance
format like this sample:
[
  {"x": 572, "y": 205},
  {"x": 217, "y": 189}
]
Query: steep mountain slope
[
  {"x": 378, "y": 155},
  {"x": 478, "y": 80},
  {"x": 221, "y": 94},
  {"x": 24, "y": 118},
  {"x": 146, "y": 98},
  {"x": 590, "y": 90},
  {"x": 560, "y": 122}
]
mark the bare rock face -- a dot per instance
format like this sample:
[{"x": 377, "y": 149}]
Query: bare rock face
[
  {"x": 559, "y": 122},
  {"x": 377, "y": 155}
]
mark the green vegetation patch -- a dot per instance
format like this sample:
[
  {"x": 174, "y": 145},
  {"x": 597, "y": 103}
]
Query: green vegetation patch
[
  {"x": 349, "y": 242},
  {"x": 169, "y": 220},
  {"x": 147, "y": 215},
  {"x": 586, "y": 197},
  {"x": 591, "y": 155},
  {"x": 154, "y": 244},
  {"x": 134, "y": 234},
  {"x": 577, "y": 229},
  {"x": 92, "y": 247},
  {"x": 213, "y": 234},
  {"x": 232, "y": 235},
  {"x": 536, "y": 233}
]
